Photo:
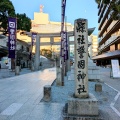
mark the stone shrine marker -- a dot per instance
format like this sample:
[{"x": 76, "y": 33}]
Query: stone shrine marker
[
  {"x": 82, "y": 103},
  {"x": 81, "y": 58}
]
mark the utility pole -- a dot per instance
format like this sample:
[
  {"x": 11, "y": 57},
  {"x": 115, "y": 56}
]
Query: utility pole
[{"x": 63, "y": 4}]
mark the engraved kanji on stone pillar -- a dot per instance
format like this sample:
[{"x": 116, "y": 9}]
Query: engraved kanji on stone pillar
[{"x": 81, "y": 58}]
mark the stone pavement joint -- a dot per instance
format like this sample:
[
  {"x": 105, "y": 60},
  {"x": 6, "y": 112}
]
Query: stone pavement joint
[{"x": 12, "y": 109}]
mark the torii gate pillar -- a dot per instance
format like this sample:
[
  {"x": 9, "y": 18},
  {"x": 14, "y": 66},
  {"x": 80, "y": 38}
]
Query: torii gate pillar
[{"x": 37, "y": 53}]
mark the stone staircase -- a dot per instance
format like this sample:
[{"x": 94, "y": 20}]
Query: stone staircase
[{"x": 93, "y": 70}]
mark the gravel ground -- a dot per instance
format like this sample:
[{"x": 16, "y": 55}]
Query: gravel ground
[
  {"x": 105, "y": 98},
  {"x": 63, "y": 92}
]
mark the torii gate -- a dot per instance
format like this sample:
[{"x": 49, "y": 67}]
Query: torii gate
[{"x": 51, "y": 36}]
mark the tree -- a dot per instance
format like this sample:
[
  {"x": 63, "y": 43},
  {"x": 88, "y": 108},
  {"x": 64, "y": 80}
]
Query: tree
[
  {"x": 6, "y": 10},
  {"x": 114, "y": 9},
  {"x": 23, "y": 22},
  {"x": 46, "y": 52}
]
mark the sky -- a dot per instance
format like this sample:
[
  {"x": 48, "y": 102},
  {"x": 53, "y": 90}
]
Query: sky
[{"x": 74, "y": 9}]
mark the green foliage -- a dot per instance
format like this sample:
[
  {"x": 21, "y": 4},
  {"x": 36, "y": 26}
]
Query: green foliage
[
  {"x": 104, "y": 1},
  {"x": 6, "y": 10},
  {"x": 46, "y": 52},
  {"x": 23, "y": 22},
  {"x": 97, "y": 1},
  {"x": 114, "y": 9}
]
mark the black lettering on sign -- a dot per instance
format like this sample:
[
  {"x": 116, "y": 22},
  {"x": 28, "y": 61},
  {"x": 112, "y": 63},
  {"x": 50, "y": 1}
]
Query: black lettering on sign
[
  {"x": 81, "y": 76},
  {"x": 80, "y": 26},
  {"x": 81, "y": 50},
  {"x": 81, "y": 89},
  {"x": 81, "y": 39},
  {"x": 81, "y": 64}
]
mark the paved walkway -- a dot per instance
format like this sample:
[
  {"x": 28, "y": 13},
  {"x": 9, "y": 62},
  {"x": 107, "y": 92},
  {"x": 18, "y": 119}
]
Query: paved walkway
[
  {"x": 114, "y": 84},
  {"x": 109, "y": 98},
  {"x": 105, "y": 76},
  {"x": 20, "y": 96},
  {"x": 6, "y": 73}
]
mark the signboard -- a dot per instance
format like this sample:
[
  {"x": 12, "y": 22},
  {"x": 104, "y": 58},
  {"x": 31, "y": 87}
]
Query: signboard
[
  {"x": 12, "y": 37},
  {"x": 115, "y": 68}
]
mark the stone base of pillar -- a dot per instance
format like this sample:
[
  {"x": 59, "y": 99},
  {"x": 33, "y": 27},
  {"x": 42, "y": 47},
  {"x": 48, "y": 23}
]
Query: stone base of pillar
[
  {"x": 67, "y": 117},
  {"x": 47, "y": 93},
  {"x": 17, "y": 70},
  {"x": 58, "y": 78},
  {"x": 82, "y": 108}
]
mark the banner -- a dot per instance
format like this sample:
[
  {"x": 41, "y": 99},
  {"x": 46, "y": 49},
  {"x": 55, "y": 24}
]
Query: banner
[
  {"x": 64, "y": 49},
  {"x": 65, "y": 46},
  {"x": 33, "y": 38},
  {"x": 12, "y": 37}
]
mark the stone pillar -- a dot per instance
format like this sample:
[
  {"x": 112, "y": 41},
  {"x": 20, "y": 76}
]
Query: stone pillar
[
  {"x": 17, "y": 70},
  {"x": 47, "y": 93},
  {"x": 68, "y": 61},
  {"x": 33, "y": 38},
  {"x": 98, "y": 87},
  {"x": 51, "y": 43},
  {"x": 20, "y": 68},
  {"x": 81, "y": 58},
  {"x": 37, "y": 53},
  {"x": 58, "y": 76},
  {"x": 82, "y": 104},
  {"x": 32, "y": 67}
]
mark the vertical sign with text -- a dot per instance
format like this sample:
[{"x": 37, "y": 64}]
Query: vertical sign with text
[
  {"x": 66, "y": 46},
  {"x": 81, "y": 58},
  {"x": 64, "y": 51},
  {"x": 12, "y": 37}
]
